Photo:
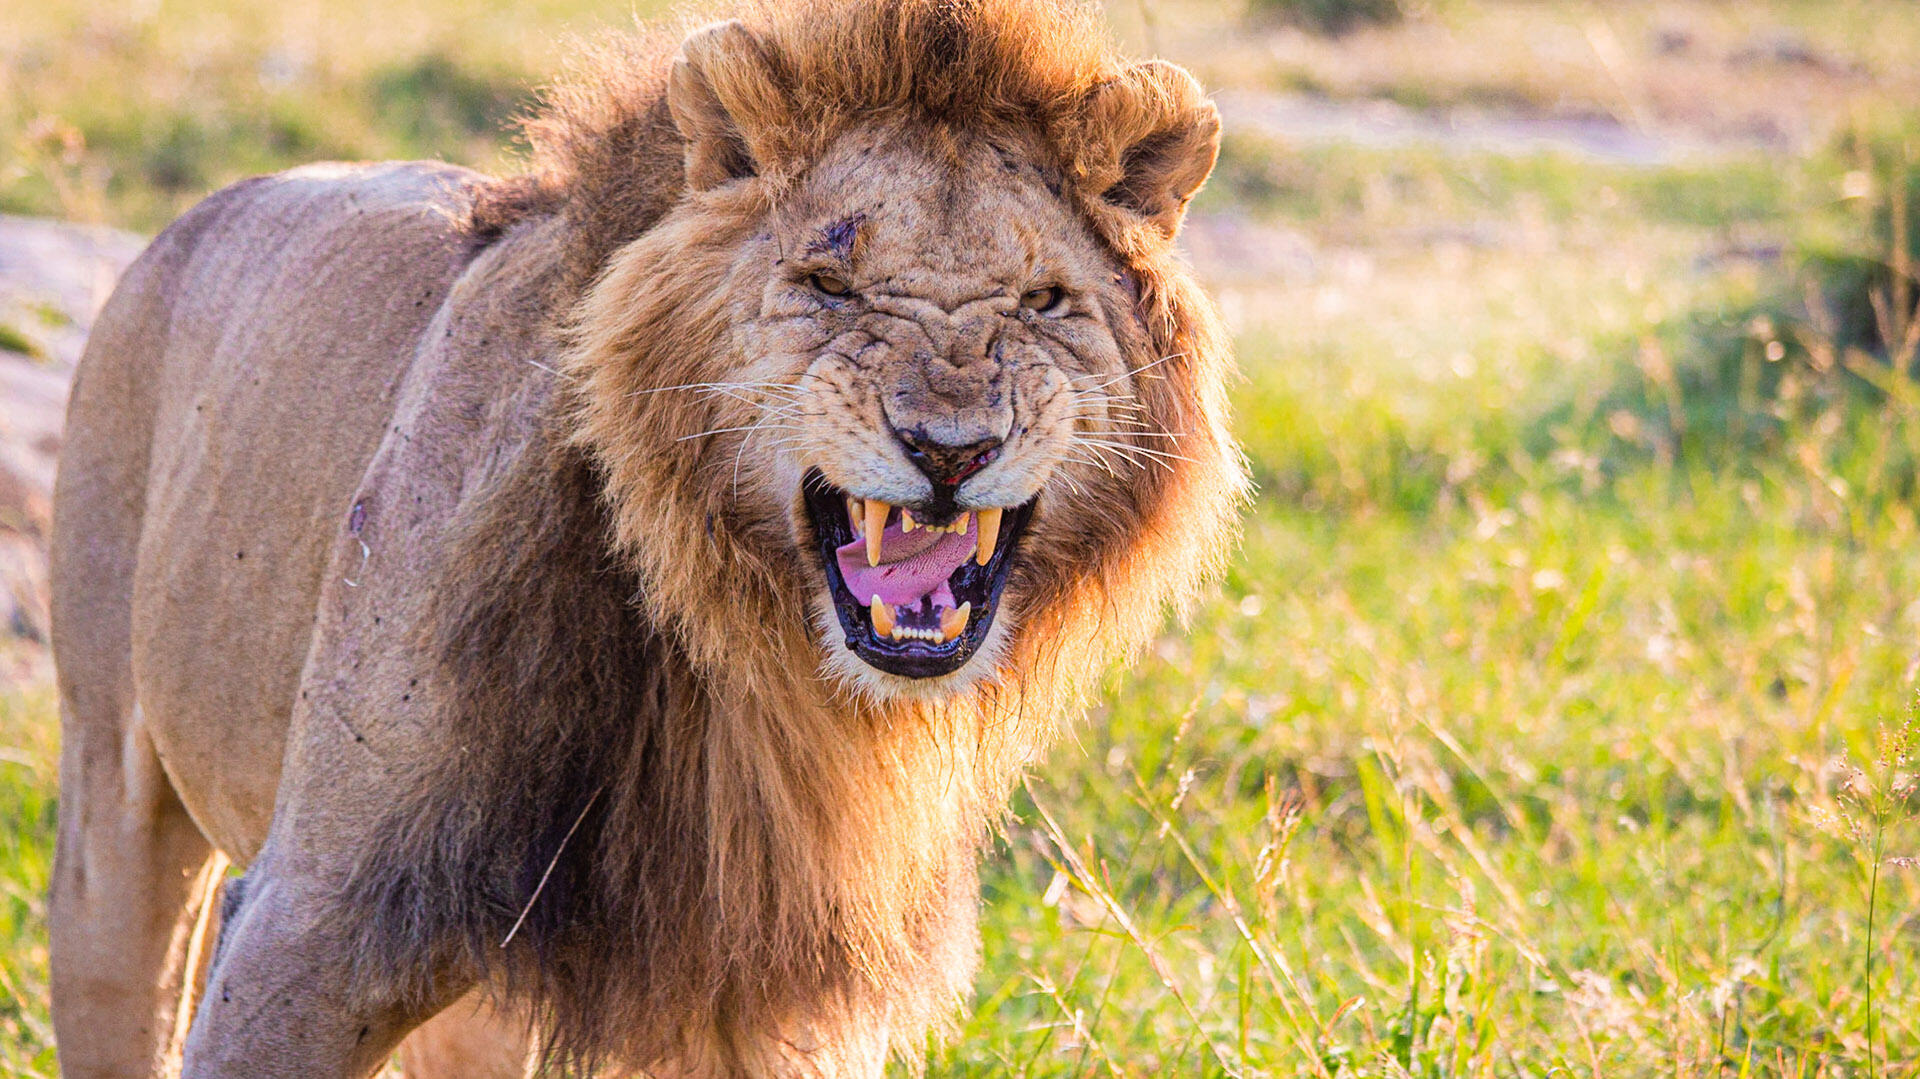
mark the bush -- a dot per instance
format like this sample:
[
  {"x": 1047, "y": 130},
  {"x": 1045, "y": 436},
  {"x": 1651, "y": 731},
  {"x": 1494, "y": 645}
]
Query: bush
[
  {"x": 1331, "y": 16},
  {"x": 1864, "y": 287}
]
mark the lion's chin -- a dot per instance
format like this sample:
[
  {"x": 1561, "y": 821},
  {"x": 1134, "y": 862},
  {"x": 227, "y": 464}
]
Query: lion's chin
[
  {"x": 846, "y": 668},
  {"x": 914, "y": 599}
]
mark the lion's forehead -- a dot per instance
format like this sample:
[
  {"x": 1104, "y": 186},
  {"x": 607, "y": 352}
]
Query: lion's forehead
[{"x": 899, "y": 210}]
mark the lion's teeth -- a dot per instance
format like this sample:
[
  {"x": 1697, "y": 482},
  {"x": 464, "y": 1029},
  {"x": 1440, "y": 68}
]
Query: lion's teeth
[
  {"x": 882, "y": 614},
  {"x": 876, "y": 524},
  {"x": 989, "y": 535},
  {"x": 954, "y": 622},
  {"x": 906, "y": 521},
  {"x": 959, "y": 526},
  {"x": 853, "y": 515}
]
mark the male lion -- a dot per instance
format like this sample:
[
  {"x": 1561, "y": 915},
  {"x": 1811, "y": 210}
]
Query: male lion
[{"x": 622, "y": 595}]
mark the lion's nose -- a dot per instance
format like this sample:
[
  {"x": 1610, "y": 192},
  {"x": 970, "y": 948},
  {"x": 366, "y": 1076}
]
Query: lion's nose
[{"x": 947, "y": 464}]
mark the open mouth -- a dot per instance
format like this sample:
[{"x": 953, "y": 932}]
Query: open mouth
[{"x": 916, "y": 594}]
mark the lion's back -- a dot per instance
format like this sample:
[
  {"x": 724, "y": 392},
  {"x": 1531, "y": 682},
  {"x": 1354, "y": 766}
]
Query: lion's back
[{"x": 232, "y": 394}]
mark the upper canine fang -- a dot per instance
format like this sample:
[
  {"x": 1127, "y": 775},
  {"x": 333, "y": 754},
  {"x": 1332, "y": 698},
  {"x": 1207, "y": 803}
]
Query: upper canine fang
[
  {"x": 989, "y": 535},
  {"x": 876, "y": 524}
]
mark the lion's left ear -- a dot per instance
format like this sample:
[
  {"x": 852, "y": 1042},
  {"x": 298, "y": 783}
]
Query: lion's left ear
[{"x": 1150, "y": 140}]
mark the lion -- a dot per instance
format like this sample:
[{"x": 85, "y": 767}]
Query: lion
[{"x": 610, "y": 605}]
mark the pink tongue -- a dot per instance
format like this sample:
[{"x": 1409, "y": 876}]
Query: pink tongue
[{"x": 914, "y": 565}]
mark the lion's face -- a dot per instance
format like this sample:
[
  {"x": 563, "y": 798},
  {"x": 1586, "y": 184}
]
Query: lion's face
[
  {"x": 929, "y": 343},
  {"x": 908, "y": 388}
]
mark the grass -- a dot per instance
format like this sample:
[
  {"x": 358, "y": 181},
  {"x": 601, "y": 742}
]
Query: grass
[
  {"x": 1557, "y": 717},
  {"x": 29, "y": 773}
]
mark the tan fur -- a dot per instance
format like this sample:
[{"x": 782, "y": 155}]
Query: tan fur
[{"x": 567, "y": 641}]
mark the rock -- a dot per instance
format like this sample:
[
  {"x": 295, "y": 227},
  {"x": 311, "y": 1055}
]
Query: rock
[{"x": 53, "y": 279}]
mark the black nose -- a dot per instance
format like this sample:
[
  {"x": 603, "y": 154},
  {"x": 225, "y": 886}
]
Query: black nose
[{"x": 945, "y": 463}]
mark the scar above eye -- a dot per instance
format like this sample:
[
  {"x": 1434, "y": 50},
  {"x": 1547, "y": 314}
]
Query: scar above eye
[{"x": 840, "y": 238}]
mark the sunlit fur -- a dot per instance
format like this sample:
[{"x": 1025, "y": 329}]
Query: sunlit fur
[{"x": 783, "y": 856}]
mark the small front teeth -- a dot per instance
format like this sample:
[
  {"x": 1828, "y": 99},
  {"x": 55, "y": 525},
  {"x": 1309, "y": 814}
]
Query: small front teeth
[
  {"x": 952, "y": 623},
  {"x": 869, "y": 517},
  {"x": 958, "y": 526}
]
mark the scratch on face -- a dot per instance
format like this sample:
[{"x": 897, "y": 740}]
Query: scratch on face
[{"x": 839, "y": 239}]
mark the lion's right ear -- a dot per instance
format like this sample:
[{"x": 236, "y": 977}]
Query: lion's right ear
[{"x": 722, "y": 90}]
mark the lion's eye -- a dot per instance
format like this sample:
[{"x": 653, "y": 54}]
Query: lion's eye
[
  {"x": 829, "y": 284},
  {"x": 1051, "y": 300}
]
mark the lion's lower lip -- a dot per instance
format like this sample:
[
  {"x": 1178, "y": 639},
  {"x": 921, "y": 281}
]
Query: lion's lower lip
[{"x": 912, "y": 599}]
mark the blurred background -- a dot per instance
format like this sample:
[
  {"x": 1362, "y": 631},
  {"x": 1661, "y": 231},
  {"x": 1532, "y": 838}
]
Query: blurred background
[{"x": 1557, "y": 717}]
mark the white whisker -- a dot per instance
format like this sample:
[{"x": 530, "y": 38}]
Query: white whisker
[
  {"x": 1101, "y": 459},
  {"x": 771, "y": 388},
  {"x": 730, "y": 430},
  {"x": 1109, "y": 419},
  {"x": 1070, "y": 481},
  {"x": 784, "y": 403},
  {"x": 1129, "y": 374},
  {"x": 1171, "y": 435},
  {"x": 557, "y": 374},
  {"x": 1124, "y": 447}
]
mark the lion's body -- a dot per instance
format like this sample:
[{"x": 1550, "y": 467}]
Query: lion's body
[
  {"x": 392, "y": 564},
  {"x": 216, "y": 450}
]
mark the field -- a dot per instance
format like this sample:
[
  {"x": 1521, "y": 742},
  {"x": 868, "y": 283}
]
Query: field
[{"x": 1558, "y": 716}]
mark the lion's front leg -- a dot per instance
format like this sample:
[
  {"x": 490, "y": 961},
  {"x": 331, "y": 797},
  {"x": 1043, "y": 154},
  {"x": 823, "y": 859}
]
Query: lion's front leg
[
  {"x": 473, "y": 1039},
  {"x": 279, "y": 1003}
]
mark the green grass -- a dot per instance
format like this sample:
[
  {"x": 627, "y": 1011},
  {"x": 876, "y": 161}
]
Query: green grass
[
  {"x": 129, "y": 113},
  {"x": 1548, "y": 723},
  {"x": 29, "y": 772}
]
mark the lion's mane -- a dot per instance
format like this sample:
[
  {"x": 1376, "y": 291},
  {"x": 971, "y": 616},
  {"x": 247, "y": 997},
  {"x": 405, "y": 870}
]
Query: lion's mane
[{"x": 645, "y": 762}]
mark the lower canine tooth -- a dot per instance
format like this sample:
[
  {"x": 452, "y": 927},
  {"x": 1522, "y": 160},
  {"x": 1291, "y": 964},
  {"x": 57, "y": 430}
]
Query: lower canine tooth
[
  {"x": 954, "y": 622},
  {"x": 882, "y": 614},
  {"x": 989, "y": 535}
]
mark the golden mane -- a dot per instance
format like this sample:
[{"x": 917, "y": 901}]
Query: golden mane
[
  {"x": 602, "y": 139},
  {"x": 762, "y": 850}
]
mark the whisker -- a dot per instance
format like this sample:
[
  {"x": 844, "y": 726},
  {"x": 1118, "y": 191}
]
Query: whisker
[
  {"x": 1137, "y": 456},
  {"x": 1102, "y": 462},
  {"x": 755, "y": 429},
  {"x": 1114, "y": 406},
  {"x": 562, "y": 375},
  {"x": 1110, "y": 419},
  {"x": 1124, "y": 448},
  {"x": 791, "y": 388},
  {"x": 1070, "y": 481},
  {"x": 1095, "y": 393},
  {"x": 1171, "y": 435},
  {"x": 1129, "y": 374},
  {"x": 729, "y": 430},
  {"x": 784, "y": 402}
]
